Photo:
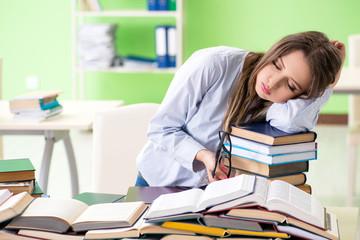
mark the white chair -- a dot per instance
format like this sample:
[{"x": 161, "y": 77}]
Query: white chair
[{"x": 118, "y": 136}]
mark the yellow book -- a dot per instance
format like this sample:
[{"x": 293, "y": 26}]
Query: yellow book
[{"x": 220, "y": 232}]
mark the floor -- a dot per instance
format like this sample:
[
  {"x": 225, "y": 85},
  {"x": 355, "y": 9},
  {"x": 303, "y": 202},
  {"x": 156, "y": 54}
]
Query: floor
[{"x": 328, "y": 175}]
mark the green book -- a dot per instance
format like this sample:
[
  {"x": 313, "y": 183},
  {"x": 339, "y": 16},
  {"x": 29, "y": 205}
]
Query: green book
[
  {"x": 16, "y": 170},
  {"x": 37, "y": 192},
  {"x": 91, "y": 198}
]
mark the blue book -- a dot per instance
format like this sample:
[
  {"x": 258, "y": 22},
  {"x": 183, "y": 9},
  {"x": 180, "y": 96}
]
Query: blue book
[
  {"x": 265, "y": 133},
  {"x": 276, "y": 158},
  {"x": 161, "y": 47}
]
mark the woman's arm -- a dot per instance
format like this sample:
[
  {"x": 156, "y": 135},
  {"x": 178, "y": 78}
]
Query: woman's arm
[
  {"x": 341, "y": 47},
  {"x": 298, "y": 115},
  {"x": 167, "y": 130}
]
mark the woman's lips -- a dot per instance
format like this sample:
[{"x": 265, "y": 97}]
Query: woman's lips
[{"x": 265, "y": 89}]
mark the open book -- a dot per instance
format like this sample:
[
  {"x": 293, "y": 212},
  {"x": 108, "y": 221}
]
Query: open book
[
  {"x": 58, "y": 215},
  {"x": 14, "y": 205},
  {"x": 196, "y": 200},
  {"x": 139, "y": 229},
  {"x": 280, "y": 196}
]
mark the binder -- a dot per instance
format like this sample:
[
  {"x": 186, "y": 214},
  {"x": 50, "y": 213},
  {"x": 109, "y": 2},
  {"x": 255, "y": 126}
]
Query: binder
[
  {"x": 171, "y": 43},
  {"x": 163, "y": 5},
  {"x": 153, "y": 5},
  {"x": 161, "y": 47},
  {"x": 172, "y": 5}
]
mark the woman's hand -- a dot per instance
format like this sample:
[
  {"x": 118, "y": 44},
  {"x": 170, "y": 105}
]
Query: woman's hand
[
  {"x": 342, "y": 52},
  {"x": 208, "y": 158}
]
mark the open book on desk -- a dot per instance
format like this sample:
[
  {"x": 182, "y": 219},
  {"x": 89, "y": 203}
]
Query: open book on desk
[
  {"x": 197, "y": 200},
  {"x": 280, "y": 196},
  {"x": 58, "y": 215}
]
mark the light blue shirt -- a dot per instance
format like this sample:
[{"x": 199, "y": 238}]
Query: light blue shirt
[{"x": 191, "y": 115}]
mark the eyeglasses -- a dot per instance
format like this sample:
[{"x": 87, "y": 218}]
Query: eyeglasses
[{"x": 223, "y": 152}]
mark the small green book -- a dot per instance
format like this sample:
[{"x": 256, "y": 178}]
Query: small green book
[
  {"x": 91, "y": 198},
  {"x": 16, "y": 170}
]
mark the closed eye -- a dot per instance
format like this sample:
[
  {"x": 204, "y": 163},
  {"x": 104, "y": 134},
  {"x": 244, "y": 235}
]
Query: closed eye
[
  {"x": 276, "y": 65},
  {"x": 293, "y": 89}
]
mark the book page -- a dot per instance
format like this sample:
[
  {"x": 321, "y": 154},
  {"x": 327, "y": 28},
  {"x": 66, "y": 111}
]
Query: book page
[
  {"x": 175, "y": 203},
  {"x": 226, "y": 190},
  {"x": 66, "y": 209},
  {"x": 257, "y": 197},
  {"x": 110, "y": 212},
  {"x": 284, "y": 197}
]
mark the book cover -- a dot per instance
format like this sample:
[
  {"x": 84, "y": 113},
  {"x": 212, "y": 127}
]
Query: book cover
[
  {"x": 16, "y": 170},
  {"x": 220, "y": 232},
  {"x": 276, "y": 158},
  {"x": 263, "y": 132},
  {"x": 267, "y": 170},
  {"x": 149, "y": 194},
  {"x": 258, "y": 147},
  {"x": 37, "y": 191},
  {"x": 91, "y": 198}
]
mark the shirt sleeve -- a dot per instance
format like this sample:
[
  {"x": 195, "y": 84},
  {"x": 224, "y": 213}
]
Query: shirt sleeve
[
  {"x": 297, "y": 115},
  {"x": 181, "y": 102}
]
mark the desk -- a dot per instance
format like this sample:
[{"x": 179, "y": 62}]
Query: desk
[
  {"x": 347, "y": 219},
  {"x": 76, "y": 115},
  {"x": 349, "y": 83}
]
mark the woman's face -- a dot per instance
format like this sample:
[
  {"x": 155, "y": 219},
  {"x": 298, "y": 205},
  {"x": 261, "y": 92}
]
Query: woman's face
[{"x": 287, "y": 77}]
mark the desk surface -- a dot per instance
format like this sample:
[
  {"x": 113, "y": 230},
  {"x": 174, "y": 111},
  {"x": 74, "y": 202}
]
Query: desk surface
[{"x": 75, "y": 115}]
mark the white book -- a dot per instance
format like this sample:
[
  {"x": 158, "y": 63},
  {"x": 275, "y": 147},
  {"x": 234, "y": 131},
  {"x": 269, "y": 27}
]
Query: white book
[
  {"x": 274, "y": 159},
  {"x": 282, "y": 197},
  {"x": 196, "y": 200},
  {"x": 272, "y": 150}
]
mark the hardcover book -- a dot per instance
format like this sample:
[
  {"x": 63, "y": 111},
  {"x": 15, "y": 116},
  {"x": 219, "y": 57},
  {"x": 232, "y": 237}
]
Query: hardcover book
[
  {"x": 58, "y": 215},
  {"x": 196, "y": 200},
  {"x": 16, "y": 170},
  {"x": 267, "y": 170},
  {"x": 258, "y": 147},
  {"x": 14, "y": 205},
  {"x": 265, "y": 133},
  {"x": 278, "y": 196}
]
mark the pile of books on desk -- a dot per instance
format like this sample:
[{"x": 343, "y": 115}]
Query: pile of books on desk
[
  {"x": 35, "y": 106},
  {"x": 245, "y": 206},
  {"x": 18, "y": 175},
  {"x": 260, "y": 149}
]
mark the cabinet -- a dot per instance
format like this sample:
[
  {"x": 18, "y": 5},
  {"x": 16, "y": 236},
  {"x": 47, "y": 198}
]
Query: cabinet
[{"x": 81, "y": 16}]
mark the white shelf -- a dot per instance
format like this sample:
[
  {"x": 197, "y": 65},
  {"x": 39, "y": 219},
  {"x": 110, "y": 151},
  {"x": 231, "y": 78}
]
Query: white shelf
[
  {"x": 78, "y": 17},
  {"x": 128, "y": 13},
  {"x": 130, "y": 70}
]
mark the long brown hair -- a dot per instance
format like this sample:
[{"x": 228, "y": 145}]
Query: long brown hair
[{"x": 321, "y": 55}]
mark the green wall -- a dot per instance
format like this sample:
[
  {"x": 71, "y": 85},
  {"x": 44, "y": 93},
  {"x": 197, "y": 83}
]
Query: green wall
[{"x": 35, "y": 40}]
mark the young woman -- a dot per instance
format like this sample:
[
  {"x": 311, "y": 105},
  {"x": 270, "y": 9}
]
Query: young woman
[{"x": 220, "y": 86}]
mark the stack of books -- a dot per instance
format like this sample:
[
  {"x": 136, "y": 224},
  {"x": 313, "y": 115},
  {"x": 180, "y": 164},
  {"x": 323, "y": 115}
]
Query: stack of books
[
  {"x": 260, "y": 149},
  {"x": 18, "y": 175},
  {"x": 35, "y": 106},
  {"x": 245, "y": 206}
]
